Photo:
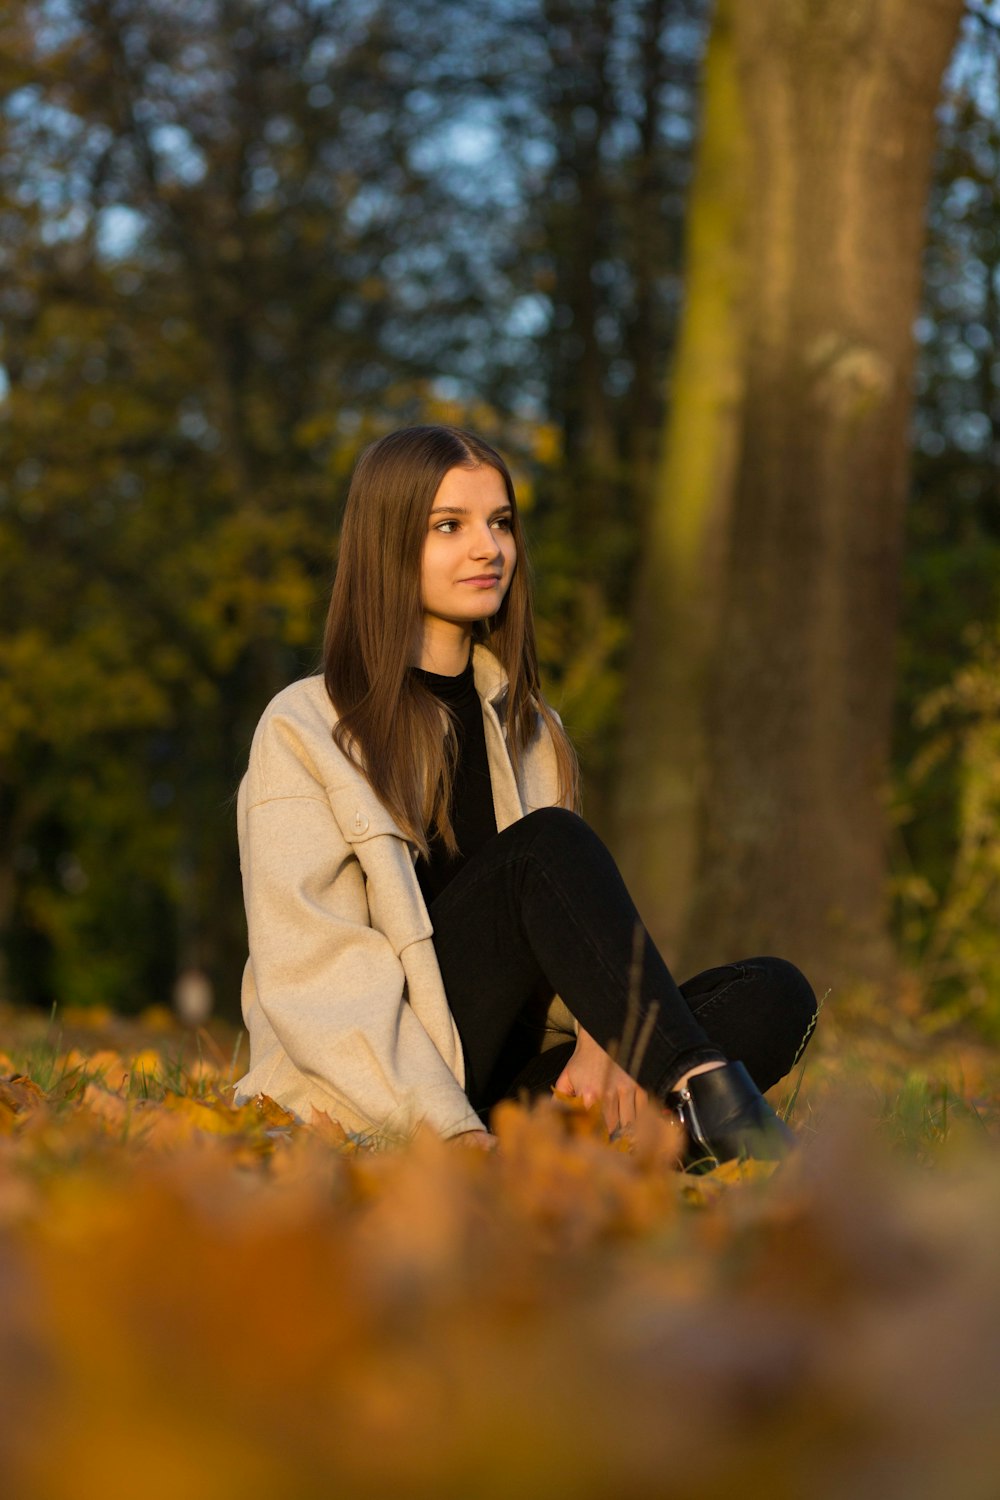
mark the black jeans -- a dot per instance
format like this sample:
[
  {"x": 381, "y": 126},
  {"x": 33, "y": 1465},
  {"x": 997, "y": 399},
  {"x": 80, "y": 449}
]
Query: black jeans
[{"x": 542, "y": 909}]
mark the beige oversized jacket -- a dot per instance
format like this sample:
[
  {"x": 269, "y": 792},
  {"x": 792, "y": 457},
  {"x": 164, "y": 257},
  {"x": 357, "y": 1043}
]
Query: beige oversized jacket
[{"x": 342, "y": 994}]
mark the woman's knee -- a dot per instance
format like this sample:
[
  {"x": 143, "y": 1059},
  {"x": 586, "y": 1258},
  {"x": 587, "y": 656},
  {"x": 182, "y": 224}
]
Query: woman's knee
[
  {"x": 792, "y": 990},
  {"x": 564, "y": 842},
  {"x": 558, "y": 826},
  {"x": 551, "y": 817}
]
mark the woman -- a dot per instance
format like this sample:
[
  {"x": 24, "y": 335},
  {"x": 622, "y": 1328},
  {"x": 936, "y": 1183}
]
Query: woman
[{"x": 419, "y": 885}]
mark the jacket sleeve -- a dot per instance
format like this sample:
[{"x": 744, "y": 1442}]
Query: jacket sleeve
[{"x": 329, "y": 984}]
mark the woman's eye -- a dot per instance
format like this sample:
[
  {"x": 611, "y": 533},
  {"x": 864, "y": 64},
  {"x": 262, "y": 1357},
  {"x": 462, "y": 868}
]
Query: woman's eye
[{"x": 446, "y": 527}]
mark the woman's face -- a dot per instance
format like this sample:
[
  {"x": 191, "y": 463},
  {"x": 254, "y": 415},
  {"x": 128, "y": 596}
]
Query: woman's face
[{"x": 469, "y": 553}]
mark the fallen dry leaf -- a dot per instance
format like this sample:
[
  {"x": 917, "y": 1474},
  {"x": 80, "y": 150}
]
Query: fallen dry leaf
[{"x": 265, "y": 1306}]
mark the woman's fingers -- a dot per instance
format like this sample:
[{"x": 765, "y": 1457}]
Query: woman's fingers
[
  {"x": 632, "y": 1102},
  {"x": 565, "y": 1084},
  {"x": 484, "y": 1140},
  {"x": 620, "y": 1097},
  {"x": 626, "y": 1108},
  {"x": 617, "y": 1108}
]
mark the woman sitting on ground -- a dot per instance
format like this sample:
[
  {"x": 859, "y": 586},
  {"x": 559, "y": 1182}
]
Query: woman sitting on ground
[{"x": 419, "y": 884}]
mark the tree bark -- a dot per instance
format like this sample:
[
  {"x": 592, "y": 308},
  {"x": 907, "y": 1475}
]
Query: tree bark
[
  {"x": 839, "y": 102},
  {"x": 678, "y": 593},
  {"x": 793, "y": 655}
]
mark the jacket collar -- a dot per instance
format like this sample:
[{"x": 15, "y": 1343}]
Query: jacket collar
[
  {"x": 360, "y": 813},
  {"x": 490, "y": 677}
]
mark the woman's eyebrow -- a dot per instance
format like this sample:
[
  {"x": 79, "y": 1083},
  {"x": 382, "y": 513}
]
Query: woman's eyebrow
[{"x": 461, "y": 510}]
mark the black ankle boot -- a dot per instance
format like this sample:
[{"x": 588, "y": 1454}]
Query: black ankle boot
[{"x": 726, "y": 1115}]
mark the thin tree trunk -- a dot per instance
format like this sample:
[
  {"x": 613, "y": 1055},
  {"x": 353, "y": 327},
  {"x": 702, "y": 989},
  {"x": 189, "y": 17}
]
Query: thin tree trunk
[
  {"x": 679, "y": 587},
  {"x": 642, "y": 437}
]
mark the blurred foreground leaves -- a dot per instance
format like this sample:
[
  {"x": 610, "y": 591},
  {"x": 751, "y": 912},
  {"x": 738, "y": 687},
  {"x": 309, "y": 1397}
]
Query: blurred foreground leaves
[{"x": 203, "y": 1300}]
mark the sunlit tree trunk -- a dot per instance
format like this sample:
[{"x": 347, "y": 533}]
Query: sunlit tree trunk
[
  {"x": 835, "y": 105},
  {"x": 679, "y": 586}
]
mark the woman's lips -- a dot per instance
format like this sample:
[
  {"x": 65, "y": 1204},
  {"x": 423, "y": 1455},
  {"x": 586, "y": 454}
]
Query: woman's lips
[{"x": 487, "y": 581}]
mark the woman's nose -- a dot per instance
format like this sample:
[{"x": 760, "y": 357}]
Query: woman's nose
[{"x": 484, "y": 542}]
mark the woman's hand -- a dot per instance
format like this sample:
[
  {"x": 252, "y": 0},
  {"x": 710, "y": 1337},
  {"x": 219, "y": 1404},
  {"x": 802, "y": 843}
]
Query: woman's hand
[
  {"x": 481, "y": 1138},
  {"x": 592, "y": 1074}
]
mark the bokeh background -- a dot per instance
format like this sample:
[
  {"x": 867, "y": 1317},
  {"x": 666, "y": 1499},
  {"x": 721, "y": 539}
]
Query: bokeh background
[{"x": 722, "y": 281}]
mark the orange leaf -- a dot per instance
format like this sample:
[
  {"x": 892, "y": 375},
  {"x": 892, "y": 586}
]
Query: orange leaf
[
  {"x": 271, "y": 1112},
  {"x": 331, "y": 1132}
]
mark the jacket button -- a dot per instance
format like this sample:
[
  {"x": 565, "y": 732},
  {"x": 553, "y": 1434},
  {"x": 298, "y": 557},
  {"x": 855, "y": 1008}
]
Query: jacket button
[{"x": 360, "y": 822}]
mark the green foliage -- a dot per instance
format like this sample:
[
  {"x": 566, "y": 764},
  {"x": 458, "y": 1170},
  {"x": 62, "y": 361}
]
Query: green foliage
[
  {"x": 947, "y": 797},
  {"x": 237, "y": 241},
  {"x": 192, "y": 324}
]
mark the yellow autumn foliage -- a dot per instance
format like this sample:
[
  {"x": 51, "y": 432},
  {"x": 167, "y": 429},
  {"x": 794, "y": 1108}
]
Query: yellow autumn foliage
[{"x": 206, "y": 1300}]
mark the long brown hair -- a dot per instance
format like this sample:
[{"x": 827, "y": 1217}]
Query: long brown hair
[{"x": 389, "y": 723}]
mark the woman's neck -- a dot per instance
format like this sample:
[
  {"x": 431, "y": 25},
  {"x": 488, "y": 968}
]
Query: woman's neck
[{"x": 444, "y": 652}]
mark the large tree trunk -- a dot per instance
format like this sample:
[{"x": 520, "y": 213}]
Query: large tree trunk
[{"x": 837, "y": 101}]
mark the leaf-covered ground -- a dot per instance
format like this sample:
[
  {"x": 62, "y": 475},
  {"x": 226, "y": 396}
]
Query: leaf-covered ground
[{"x": 197, "y": 1300}]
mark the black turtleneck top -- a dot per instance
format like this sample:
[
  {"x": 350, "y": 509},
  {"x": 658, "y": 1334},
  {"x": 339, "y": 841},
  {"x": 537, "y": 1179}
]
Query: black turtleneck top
[{"x": 472, "y": 815}]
